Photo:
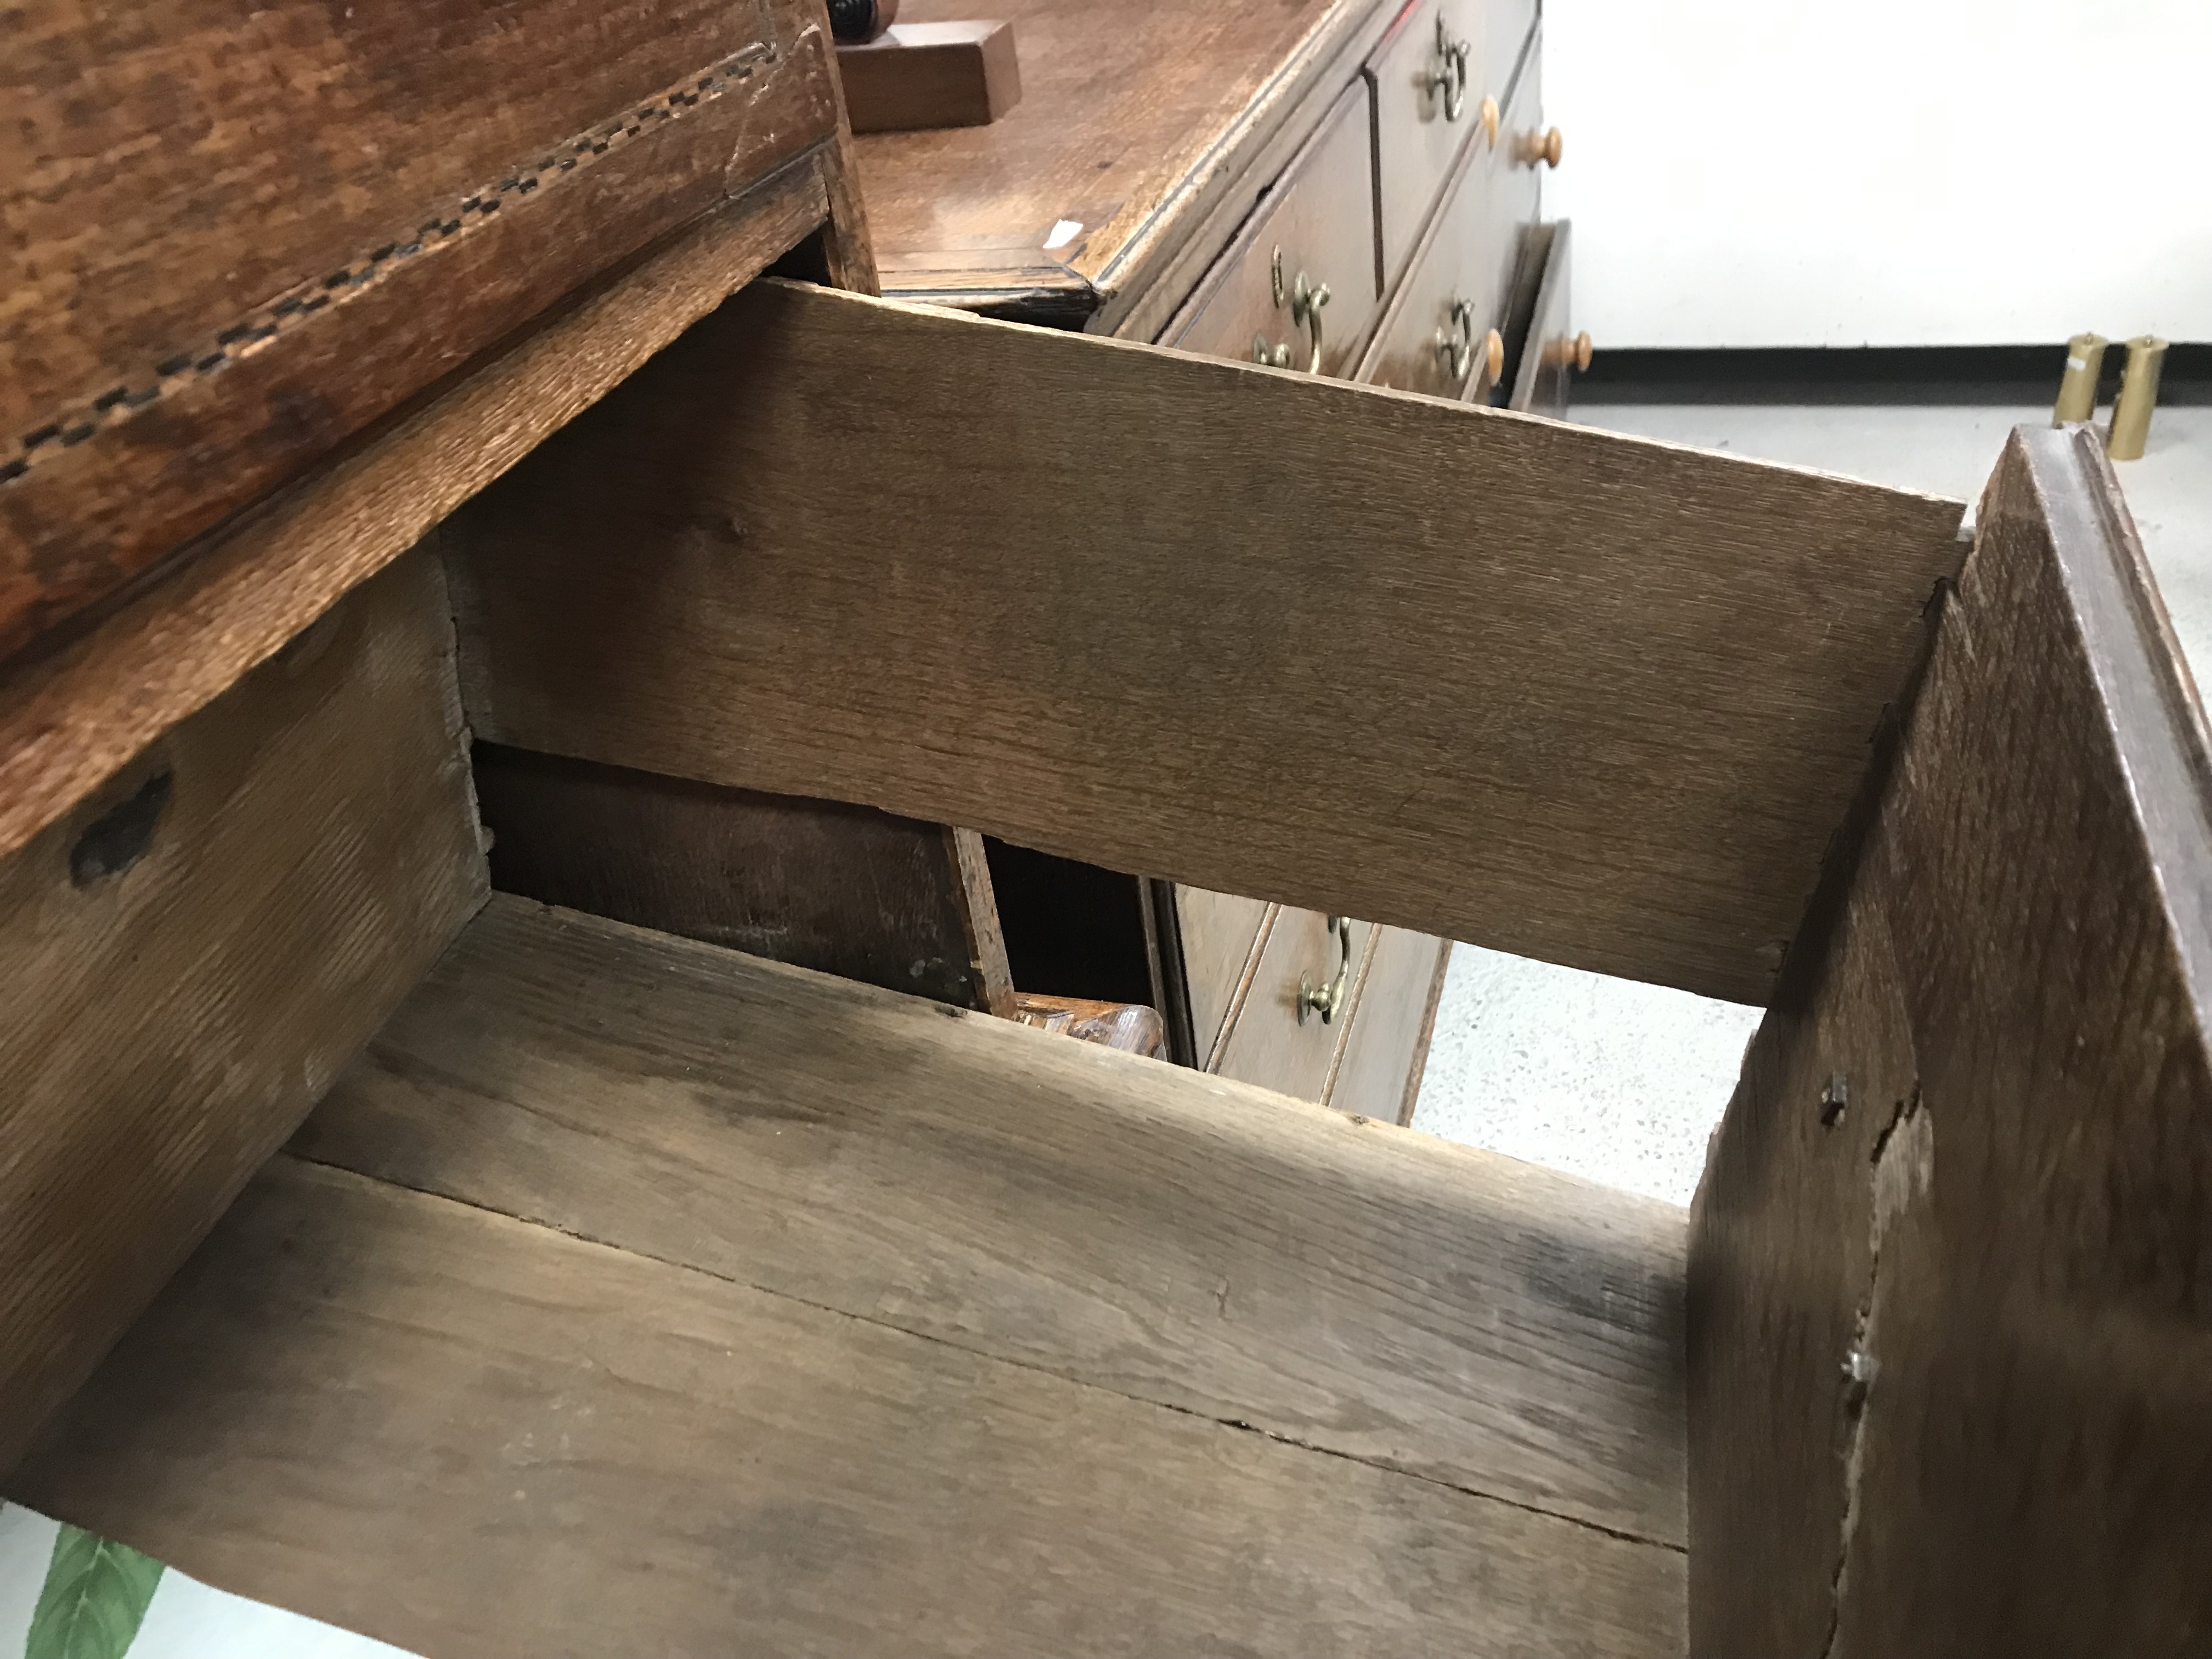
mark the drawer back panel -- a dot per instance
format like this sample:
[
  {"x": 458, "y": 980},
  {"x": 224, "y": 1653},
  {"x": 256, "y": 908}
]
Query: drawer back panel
[{"x": 1564, "y": 692}]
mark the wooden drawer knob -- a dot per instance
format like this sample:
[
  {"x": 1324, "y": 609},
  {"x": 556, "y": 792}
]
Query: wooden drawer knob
[
  {"x": 1493, "y": 357},
  {"x": 1564, "y": 353},
  {"x": 1545, "y": 147},
  {"x": 856, "y": 22},
  {"x": 1490, "y": 118}
]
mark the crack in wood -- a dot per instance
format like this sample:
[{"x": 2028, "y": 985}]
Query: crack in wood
[{"x": 1900, "y": 1177}]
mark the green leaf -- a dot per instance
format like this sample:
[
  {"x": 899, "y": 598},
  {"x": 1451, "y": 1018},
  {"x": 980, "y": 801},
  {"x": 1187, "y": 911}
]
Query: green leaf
[{"x": 94, "y": 1598}]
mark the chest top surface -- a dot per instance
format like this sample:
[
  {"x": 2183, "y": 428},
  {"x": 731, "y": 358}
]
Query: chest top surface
[{"x": 1135, "y": 116}]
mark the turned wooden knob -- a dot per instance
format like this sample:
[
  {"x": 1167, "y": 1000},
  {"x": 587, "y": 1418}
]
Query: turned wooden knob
[
  {"x": 1493, "y": 356},
  {"x": 1564, "y": 353},
  {"x": 1545, "y": 147},
  {"x": 856, "y": 22},
  {"x": 1490, "y": 122}
]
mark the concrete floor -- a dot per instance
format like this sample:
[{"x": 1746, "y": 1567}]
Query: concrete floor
[{"x": 1623, "y": 1083}]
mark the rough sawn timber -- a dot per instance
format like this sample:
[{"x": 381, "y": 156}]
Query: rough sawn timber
[
  {"x": 1379, "y": 1293},
  {"x": 2013, "y": 1220},
  {"x": 1573, "y": 695},
  {"x": 188, "y": 960},
  {"x": 900, "y": 1331}
]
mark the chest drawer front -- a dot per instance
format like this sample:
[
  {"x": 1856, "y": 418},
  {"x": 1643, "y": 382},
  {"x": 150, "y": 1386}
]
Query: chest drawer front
[
  {"x": 1437, "y": 336},
  {"x": 1554, "y": 352},
  {"x": 1220, "y": 934},
  {"x": 1507, "y": 27},
  {"x": 1513, "y": 199},
  {"x": 1430, "y": 76},
  {"x": 1268, "y": 1044},
  {"x": 1315, "y": 236},
  {"x": 1390, "y": 1032}
]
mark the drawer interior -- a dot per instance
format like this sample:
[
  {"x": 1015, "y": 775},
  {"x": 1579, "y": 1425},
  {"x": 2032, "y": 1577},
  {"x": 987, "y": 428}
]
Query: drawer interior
[{"x": 632, "y": 1292}]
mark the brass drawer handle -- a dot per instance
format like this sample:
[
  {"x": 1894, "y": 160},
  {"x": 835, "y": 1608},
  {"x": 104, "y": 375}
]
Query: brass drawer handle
[
  {"x": 1327, "y": 1000},
  {"x": 1457, "y": 346},
  {"x": 1306, "y": 299},
  {"x": 1451, "y": 79},
  {"x": 1271, "y": 356}
]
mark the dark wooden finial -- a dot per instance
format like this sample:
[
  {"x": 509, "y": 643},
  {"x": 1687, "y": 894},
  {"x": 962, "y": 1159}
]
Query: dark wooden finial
[{"x": 853, "y": 22}]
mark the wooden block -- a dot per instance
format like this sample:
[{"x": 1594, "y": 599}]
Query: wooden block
[
  {"x": 1566, "y": 693},
  {"x": 365, "y": 203},
  {"x": 189, "y": 960},
  {"x": 2004, "y": 991},
  {"x": 915, "y": 77}
]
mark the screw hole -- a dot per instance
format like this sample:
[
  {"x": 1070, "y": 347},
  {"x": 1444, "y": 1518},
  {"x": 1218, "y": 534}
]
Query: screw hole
[
  {"x": 119, "y": 837},
  {"x": 1835, "y": 1100}
]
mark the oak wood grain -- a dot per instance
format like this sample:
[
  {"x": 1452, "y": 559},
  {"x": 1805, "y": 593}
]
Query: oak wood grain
[
  {"x": 2013, "y": 1221},
  {"x": 72, "y": 720},
  {"x": 1146, "y": 1228},
  {"x": 472, "y": 1437},
  {"x": 236, "y": 242},
  {"x": 188, "y": 960},
  {"x": 1601, "y": 700},
  {"x": 843, "y": 889}
]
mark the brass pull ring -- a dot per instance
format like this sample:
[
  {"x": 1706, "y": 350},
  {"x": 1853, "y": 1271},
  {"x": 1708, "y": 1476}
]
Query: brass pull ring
[
  {"x": 1305, "y": 301},
  {"x": 1451, "y": 79},
  {"x": 1327, "y": 1000},
  {"x": 1455, "y": 345}
]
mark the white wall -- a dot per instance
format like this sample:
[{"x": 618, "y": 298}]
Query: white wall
[{"x": 1756, "y": 172}]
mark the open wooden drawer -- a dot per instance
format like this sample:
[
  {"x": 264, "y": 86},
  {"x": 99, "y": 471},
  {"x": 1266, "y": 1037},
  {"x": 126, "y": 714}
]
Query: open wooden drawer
[{"x": 626, "y": 1293}]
